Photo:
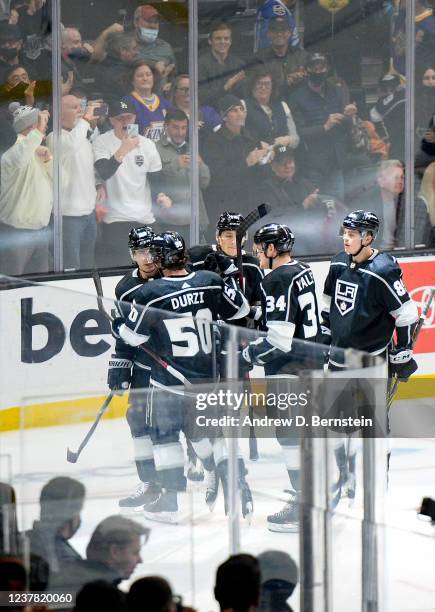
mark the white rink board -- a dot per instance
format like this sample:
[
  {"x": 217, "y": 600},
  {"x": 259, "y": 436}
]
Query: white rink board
[{"x": 74, "y": 373}]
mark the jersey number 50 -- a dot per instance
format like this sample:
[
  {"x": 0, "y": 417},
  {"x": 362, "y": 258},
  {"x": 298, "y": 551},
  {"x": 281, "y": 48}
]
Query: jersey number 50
[{"x": 189, "y": 335}]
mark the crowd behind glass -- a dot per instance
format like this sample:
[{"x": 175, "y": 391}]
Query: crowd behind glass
[{"x": 301, "y": 105}]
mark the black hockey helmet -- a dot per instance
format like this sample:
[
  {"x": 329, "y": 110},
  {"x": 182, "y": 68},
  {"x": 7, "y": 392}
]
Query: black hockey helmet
[
  {"x": 363, "y": 221},
  {"x": 229, "y": 221},
  {"x": 168, "y": 249},
  {"x": 140, "y": 237},
  {"x": 277, "y": 234}
]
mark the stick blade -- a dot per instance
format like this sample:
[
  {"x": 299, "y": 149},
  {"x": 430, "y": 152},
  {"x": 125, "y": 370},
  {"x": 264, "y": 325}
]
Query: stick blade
[{"x": 71, "y": 456}]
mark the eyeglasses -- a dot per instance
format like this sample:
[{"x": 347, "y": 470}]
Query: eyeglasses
[
  {"x": 263, "y": 84},
  {"x": 183, "y": 89}
]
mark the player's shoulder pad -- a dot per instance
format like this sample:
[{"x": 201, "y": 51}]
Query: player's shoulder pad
[
  {"x": 198, "y": 253},
  {"x": 206, "y": 277},
  {"x": 340, "y": 258},
  {"x": 384, "y": 264},
  {"x": 125, "y": 283},
  {"x": 250, "y": 259}
]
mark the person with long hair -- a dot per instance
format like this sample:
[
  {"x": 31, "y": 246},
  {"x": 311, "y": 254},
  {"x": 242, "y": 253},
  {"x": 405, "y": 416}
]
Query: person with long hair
[{"x": 150, "y": 108}]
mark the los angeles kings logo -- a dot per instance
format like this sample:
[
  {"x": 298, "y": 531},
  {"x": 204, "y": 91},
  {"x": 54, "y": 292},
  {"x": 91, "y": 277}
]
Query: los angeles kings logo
[{"x": 345, "y": 295}]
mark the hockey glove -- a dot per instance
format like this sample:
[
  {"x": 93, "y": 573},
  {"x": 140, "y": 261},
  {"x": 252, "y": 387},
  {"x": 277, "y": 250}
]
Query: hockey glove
[
  {"x": 245, "y": 363},
  {"x": 221, "y": 264},
  {"x": 119, "y": 374},
  {"x": 325, "y": 335},
  {"x": 402, "y": 363}
]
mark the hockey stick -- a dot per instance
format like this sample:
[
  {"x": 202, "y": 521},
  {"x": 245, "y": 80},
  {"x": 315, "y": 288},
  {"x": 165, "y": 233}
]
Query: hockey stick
[
  {"x": 251, "y": 218},
  {"x": 175, "y": 373},
  {"x": 72, "y": 456},
  {"x": 416, "y": 333}
]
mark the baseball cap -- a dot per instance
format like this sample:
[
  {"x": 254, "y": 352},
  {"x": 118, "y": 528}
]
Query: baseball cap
[
  {"x": 9, "y": 32},
  {"x": 282, "y": 153},
  {"x": 146, "y": 11},
  {"x": 121, "y": 107},
  {"x": 278, "y": 565},
  {"x": 226, "y": 103},
  {"x": 278, "y": 24},
  {"x": 317, "y": 58}
]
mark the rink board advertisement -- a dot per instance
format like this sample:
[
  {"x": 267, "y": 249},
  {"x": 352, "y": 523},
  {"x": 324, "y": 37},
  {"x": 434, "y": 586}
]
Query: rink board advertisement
[{"x": 54, "y": 332}]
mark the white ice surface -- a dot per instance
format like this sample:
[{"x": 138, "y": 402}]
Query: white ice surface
[{"x": 188, "y": 554}]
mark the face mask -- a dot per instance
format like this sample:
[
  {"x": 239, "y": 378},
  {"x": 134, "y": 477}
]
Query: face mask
[
  {"x": 8, "y": 53},
  {"x": 317, "y": 78},
  {"x": 79, "y": 54},
  {"x": 148, "y": 35}
]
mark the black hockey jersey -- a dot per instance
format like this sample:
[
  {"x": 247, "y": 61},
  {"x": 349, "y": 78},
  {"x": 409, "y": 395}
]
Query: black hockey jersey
[
  {"x": 184, "y": 342},
  {"x": 125, "y": 292},
  {"x": 289, "y": 308},
  {"x": 252, "y": 273},
  {"x": 364, "y": 303}
]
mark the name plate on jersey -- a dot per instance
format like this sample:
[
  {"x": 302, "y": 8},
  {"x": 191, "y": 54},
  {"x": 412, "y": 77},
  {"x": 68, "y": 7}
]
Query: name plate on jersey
[{"x": 345, "y": 294}]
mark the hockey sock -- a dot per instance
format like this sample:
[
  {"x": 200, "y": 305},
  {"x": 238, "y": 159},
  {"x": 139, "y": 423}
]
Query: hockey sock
[
  {"x": 144, "y": 458},
  {"x": 204, "y": 450},
  {"x": 351, "y": 462},
  {"x": 340, "y": 456},
  {"x": 295, "y": 479}
]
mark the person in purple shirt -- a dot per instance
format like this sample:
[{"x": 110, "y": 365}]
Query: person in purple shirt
[{"x": 150, "y": 108}]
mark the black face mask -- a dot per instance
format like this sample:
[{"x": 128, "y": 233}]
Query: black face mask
[
  {"x": 8, "y": 53},
  {"x": 79, "y": 54},
  {"x": 428, "y": 90},
  {"x": 317, "y": 78}
]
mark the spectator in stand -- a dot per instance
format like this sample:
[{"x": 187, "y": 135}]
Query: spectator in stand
[
  {"x": 237, "y": 584},
  {"x": 387, "y": 200},
  {"x": 153, "y": 594},
  {"x": 427, "y": 194},
  {"x": 17, "y": 87},
  {"x": 100, "y": 595},
  {"x": 152, "y": 49},
  {"x": 9, "y": 537},
  {"x": 112, "y": 555},
  {"x": 219, "y": 71},
  {"x": 279, "y": 577},
  {"x": 11, "y": 43},
  {"x": 286, "y": 62},
  {"x": 324, "y": 124},
  {"x": 233, "y": 160},
  {"x": 267, "y": 11},
  {"x": 76, "y": 56},
  {"x": 123, "y": 161},
  {"x": 79, "y": 192},
  {"x": 120, "y": 54},
  {"x": 61, "y": 503},
  {"x": 150, "y": 109},
  {"x": 268, "y": 118},
  {"x": 209, "y": 118},
  {"x": 26, "y": 195},
  {"x": 174, "y": 177},
  {"x": 425, "y": 121},
  {"x": 388, "y": 115},
  {"x": 296, "y": 202}
]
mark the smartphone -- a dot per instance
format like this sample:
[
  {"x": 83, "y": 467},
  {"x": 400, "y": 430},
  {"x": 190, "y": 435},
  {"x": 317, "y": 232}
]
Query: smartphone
[
  {"x": 132, "y": 129},
  {"x": 83, "y": 105},
  {"x": 101, "y": 111}
]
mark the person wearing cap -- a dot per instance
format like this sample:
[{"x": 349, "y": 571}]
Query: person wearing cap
[
  {"x": 388, "y": 114},
  {"x": 112, "y": 554},
  {"x": 279, "y": 577},
  {"x": 152, "y": 48},
  {"x": 324, "y": 124},
  {"x": 234, "y": 160},
  {"x": 123, "y": 161},
  {"x": 267, "y": 11},
  {"x": 286, "y": 61},
  {"x": 26, "y": 195},
  {"x": 220, "y": 72}
]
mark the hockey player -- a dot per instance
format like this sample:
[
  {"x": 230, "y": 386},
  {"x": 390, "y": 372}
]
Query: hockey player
[
  {"x": 289, "y": 308},
  {"x": 130, "y": 367},
  {"x": 215, "y": 257},
  {"x": 186, "y": 345},
  {"x": 365, "y": 302}
]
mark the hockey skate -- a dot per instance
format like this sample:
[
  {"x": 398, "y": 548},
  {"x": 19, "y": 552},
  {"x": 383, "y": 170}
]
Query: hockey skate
[
  {"x": 145, "y": 493},
  {"x": 195, "y": 471},
  {"x": 164, "y": 509},
  {"x": 211, "y": 493},
  {"x": 287, "y": 519}
]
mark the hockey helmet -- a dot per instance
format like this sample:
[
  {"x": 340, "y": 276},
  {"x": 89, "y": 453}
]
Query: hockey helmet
[
  {"x": 363, "y": 221},
  {"x": 168, "y": 249},
  {"x": 277, "y": 234},
  {"x": 140, "y": 237},
  {"x": 229, "y": 221}
]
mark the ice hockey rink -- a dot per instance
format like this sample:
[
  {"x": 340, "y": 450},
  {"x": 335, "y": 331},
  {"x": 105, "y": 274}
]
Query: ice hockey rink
[{"x": 188, "y": 554}]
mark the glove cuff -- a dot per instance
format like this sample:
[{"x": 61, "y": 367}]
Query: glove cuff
[
  {"x": 119, "y": 362},
  {"x": 400, "y": 356}
]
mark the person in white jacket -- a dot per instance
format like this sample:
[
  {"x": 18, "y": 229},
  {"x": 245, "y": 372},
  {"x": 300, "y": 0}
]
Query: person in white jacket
[
  {"x": 26, "y": 195},
  {"x": 79, "y": 193}
]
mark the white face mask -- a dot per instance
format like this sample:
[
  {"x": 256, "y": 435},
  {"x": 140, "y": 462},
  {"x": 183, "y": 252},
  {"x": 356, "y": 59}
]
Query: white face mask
[{"x": 148, "y": 34}]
